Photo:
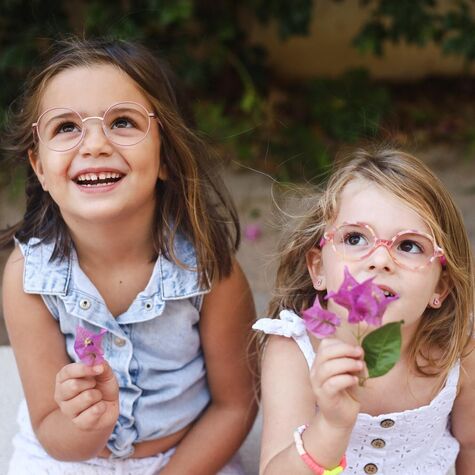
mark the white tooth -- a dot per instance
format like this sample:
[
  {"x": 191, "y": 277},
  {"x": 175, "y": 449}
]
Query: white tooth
[
  {"x": 102, "y": 176},
  {"x": 108, "y": 175},
  {"x": 94, "y": 176},
  {"x": 114, "y": 175}
]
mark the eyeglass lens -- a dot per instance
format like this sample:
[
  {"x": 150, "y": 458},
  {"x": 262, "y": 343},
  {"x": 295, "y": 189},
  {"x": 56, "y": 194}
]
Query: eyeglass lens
[
  {"x": 355, "y": 242},
  {"x": 125, "y": 124}
]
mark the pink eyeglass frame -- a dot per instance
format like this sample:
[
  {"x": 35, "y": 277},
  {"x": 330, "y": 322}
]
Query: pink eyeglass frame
[
  {"x": 151, "y": 115},
  {"x": 388, "y": 243}
]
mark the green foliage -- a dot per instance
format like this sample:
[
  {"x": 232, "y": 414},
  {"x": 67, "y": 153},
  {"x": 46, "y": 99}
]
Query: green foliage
[
  {"x": 350, "y": 107},
  {"x": 208, "y": 45},
  {"x": 382, "y": 348},
  {"x": 419, "y": 22},
  {"x": 458, "y": 29},
  {"x": 291, "y": 21}
]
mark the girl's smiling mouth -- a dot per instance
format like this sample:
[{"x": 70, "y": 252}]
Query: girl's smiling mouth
[
  {"x": 97, "y": 178},
  {"x": 388, "y": 292}
]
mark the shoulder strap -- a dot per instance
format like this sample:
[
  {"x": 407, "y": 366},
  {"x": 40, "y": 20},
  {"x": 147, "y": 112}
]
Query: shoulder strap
[{"x": 289, "y": 325}]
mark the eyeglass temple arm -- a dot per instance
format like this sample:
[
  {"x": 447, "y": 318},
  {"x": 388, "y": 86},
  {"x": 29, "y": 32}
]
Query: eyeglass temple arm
[{"x": 326, "y": 237}]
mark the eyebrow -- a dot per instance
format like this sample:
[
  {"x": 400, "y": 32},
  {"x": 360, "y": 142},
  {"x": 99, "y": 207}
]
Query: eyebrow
[
  {"x": 59, "y": 116},
  {"x": 83, "y": 115},
  {"x": 72, "y": 112}
]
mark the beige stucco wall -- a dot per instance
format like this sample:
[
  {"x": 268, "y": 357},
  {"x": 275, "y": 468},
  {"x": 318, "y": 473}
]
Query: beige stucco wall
[{"x": 327, "y": 51}]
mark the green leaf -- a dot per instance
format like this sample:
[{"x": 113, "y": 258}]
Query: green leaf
[{"x": 382, "y": 348}]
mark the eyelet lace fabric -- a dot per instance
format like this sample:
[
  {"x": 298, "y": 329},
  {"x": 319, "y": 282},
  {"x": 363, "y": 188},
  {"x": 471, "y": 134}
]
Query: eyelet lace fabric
[{"x": 412, "y": 442}]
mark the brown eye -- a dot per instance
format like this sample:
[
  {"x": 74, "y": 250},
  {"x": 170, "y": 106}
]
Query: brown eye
[
  {"x": 355, "y": 239},
  {"x": 66, "y": 127},
  {"x": 122, "y": 123},
  {"x": 411, "y": 247}
]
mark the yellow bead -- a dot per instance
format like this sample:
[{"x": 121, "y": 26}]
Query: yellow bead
[{"x": 333, "y": 471}]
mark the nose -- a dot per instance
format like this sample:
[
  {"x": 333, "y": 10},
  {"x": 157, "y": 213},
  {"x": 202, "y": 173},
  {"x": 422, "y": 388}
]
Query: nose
[
  {"x": 95, "y": 142},
  {"x": 381, "y": 259}
]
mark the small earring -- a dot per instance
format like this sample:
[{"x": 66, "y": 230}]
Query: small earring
[
  {"x": 318, "y": 283},
  {"x": 436, "y": 302}
]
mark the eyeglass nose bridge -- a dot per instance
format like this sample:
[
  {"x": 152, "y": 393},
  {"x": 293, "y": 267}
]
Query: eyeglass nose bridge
[
  {"x": 387, "y": 243},
  {"x": 378, "y": 242},
  {"x": 83, "y": 131}
]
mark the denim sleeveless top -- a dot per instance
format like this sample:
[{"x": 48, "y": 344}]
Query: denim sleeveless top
[{"x": 153, "y": 348}]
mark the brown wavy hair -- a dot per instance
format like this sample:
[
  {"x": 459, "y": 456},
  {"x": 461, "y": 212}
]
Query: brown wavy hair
[
  {"x": 192, "y": 200},
  {"x": 448, "y": 328}
]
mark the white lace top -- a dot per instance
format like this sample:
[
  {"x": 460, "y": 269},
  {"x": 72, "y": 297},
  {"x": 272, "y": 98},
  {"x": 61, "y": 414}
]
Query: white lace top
[{"x": 415, "y": 441}]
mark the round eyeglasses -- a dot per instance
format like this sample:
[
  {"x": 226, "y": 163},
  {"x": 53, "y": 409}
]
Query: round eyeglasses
[
  {"x": 409, "y": 249},
  {"x": 62, "y": 129}
]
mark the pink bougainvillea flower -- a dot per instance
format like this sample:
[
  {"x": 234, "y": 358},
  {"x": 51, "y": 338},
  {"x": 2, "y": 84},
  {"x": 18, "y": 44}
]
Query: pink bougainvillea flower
[
  {"x": 346, "y": 293},
  {"x": 252, "y": 232},
  {"x": 88, "y": 346},
  {"x": 319, "y": 321},
  {"x": 364, "y": 301}
]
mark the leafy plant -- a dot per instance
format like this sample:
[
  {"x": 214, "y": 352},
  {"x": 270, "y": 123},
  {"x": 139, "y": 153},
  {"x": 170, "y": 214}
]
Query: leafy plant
[
  {"x": 350, "y": 107},
  {"x": 208, "y": 45}
]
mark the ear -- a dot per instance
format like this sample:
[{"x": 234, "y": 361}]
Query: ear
[
  {"x": 441, "y": 291},
  {"x": 162, "y": 172},
  {"x": 315, "y": 268},
  {"x": 37, "y": 166}
]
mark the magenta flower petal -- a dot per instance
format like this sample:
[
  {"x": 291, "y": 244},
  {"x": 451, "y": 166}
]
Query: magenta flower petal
[
  {"x": 88, "y": 346},
  {"x": 364, "y": 301},
  {"x": 345, "y": 295},
  {"x": 252, "y": 232},
  {"x": 319, "y": 321}
]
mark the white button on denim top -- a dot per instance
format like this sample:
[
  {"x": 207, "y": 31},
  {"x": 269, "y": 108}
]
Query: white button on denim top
[{"x": 153, "y": 348}]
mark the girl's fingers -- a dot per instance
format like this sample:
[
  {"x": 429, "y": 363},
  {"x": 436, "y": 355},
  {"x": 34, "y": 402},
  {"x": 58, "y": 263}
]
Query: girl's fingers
[
  {"x": 331, "y": 348},
  {"x": 88, "y": 418},
  {"x": 74, "y": 407},
  {"x": 339, "y": 383},
  {"x": 78, "y": 370},
  {"x": 335, "y": 367},
  {"x": 72, "y": 387}
]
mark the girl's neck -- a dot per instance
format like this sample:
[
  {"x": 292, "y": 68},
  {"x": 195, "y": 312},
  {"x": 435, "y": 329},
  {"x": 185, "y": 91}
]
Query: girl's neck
[{"x": 114, "y": 241}]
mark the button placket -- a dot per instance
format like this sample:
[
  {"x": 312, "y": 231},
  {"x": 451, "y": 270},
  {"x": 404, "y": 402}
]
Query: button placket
[
  {"x": 120, "y": 342},
  {"x": 378, "y": 443},
  {"x": 387, "y": 423},
  {"x": 85, "y": 304},
  {"x": 370, "y": 468}
]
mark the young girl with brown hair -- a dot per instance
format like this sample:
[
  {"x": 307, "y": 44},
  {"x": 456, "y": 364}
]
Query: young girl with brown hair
[
  {"x": 127, "y": 232},
  {"x": 383, "y": 215}
]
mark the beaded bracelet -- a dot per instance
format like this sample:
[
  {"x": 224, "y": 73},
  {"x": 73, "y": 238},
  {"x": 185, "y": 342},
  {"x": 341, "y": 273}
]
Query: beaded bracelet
[{"x": 309, "y": 461}]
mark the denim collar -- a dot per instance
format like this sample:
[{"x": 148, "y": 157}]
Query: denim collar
[{"x": 53, "y": 277}]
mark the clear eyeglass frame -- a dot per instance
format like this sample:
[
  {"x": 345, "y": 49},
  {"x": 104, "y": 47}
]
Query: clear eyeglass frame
[
  {"x": 438, "y": 252},
  {"x": 78, "y": 140}
]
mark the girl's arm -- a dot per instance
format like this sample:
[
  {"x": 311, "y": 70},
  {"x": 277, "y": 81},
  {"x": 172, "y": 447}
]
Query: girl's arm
[
  {"x": 463, "y": 415},
  {"x": 289, "y": 395},
  {"x": 47, "y": 373},
  {"x": 225, "y": 327}
]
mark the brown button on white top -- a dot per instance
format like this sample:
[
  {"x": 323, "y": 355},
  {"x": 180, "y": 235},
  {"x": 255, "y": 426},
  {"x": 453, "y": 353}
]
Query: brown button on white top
[
  {"x": 378, "y": 443},
  {"x": 119, "y": 341},
  {"x": 387, "y": 423},
  {"x": 370, "y": 468}
]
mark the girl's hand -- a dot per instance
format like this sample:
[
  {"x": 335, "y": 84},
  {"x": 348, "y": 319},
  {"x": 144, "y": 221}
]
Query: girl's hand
[
  {"x": 88, "y": 396},
  {"x": 334, "y": 381}
]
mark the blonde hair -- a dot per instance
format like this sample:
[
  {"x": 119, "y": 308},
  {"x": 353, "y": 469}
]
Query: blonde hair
[
  {"x": 448, "y": 328},
  {"x": 193, "y": 200}
]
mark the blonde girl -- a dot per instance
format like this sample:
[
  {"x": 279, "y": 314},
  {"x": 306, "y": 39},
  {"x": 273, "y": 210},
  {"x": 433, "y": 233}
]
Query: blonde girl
[
  {"x": 417, "y": 418},
  {"x": 127, "y": 231}
]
